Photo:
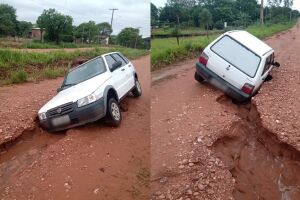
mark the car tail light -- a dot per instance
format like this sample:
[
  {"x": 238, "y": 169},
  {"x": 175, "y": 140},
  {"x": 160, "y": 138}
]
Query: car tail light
[
  {"x": 247, "y": 88},
  {"x": 203, "y": 58}
]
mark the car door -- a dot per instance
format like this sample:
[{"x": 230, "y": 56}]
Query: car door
[
  {"x": 118, "y": 75},
  {"x": 128, "y": 69},
  {"x": 266, "y": 70}
]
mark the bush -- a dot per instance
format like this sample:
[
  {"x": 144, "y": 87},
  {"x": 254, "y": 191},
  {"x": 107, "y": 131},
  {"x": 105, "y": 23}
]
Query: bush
[
  {"x": 19, "y": 76},
  {"x": 52, "y": 73},
  {"x": 219, "y": 25}
]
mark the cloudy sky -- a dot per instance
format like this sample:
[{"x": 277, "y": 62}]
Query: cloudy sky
[
  {"x": 130, "y": 13},
  {"x": 161, "y": 3}
]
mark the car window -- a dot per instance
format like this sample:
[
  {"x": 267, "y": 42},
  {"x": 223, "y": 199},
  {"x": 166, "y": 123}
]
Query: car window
[
  {"x": 110, "y": 61},
  {"x": 268, "y": 63},
  {"x": 119, "y": 58},
  {"x": 85, "y": 72},
  {"x": 237, "y": 55}
]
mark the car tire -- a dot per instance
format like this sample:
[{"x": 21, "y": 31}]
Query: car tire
[
  {"x": 199, "y": 78},
  {"x": 137, "y": 90},
  {"x": 113, "y": 113}
]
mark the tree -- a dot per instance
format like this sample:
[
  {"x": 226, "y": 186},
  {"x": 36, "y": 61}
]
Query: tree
[
  {"x": 8, "y": 20},
  {"x": 154, "y": 14},
  {"x": 55, "y": 24},
  {"x": 104, "y": 28},
  {"x": 23, "y": 28},
  {"x": 176, "y": 32},
  {"x": 262, "y": 12},
  {"x": 205, "y": 18},
  {"x": 130, "y": 37}
]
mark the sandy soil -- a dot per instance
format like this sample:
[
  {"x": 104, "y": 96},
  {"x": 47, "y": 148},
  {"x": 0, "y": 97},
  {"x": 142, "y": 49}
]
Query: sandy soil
[
  {"x": 90, "y": 162},
  {"x": 194, "y": 125},
  {"x": 279, "y": 100}
]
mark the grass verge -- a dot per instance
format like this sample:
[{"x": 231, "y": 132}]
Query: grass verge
[
  {"x": 166, "y": 51},
  {"x": 37, "y": 66}
]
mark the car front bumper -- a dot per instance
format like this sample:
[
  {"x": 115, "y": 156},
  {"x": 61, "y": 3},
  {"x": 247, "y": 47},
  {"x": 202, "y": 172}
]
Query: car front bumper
[
  {"x": 220, "y": 83},
  {"x": 77, "y": 117}
]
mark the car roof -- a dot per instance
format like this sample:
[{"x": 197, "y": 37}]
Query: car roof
[
  {"x": 250, "y": 41},
  {"x": 92, "y": 60}
]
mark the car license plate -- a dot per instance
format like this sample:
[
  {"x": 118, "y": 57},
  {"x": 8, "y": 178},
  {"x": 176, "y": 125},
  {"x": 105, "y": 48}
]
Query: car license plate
[{"x": 63, "y": 120}]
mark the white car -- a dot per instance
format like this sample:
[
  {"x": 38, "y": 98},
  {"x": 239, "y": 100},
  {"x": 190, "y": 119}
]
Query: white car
[
  {"x": 91, "y": 91},
  {"x": 237, "y": 63}
]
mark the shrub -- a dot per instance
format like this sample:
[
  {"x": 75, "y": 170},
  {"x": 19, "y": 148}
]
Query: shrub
[{"x": 19, "y": 76}]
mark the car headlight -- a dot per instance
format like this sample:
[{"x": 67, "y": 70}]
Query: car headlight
[
  {"x": 86, "y": 100},
  {"x": 42, "y": 116}
]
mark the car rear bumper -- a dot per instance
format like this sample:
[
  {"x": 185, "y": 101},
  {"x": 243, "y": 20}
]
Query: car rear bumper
[
  {"x": 220, "y": 83},
  {"x": 78, "y": 116}
]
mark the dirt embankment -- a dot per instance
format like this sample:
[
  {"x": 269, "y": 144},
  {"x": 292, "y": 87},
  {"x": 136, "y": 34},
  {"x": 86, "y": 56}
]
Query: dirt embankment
[
  {"x": 89, "y": 162},
  {"x": 206, "y": 147}
]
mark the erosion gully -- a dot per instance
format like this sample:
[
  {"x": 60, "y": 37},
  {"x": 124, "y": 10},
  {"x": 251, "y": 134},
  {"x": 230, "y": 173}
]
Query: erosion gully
[
  {"x": 263, "y": 167},
  {"x": 21, "y": 152}
]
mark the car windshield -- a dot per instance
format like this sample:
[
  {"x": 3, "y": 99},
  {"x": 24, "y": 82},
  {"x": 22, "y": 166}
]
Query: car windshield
[
  {"x": 237, "y": 55},
  {"x": 85, "y": 72}
]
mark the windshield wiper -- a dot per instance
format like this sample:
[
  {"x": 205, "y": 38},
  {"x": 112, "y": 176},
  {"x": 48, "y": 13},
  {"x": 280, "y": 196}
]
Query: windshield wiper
[{"x": 70, "y": 84}]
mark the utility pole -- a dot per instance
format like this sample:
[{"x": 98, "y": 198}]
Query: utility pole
[
  {"x": 262, "y": 12},
  {"x": 137, "y": 35},
  {"x": 112, "y": 16}
]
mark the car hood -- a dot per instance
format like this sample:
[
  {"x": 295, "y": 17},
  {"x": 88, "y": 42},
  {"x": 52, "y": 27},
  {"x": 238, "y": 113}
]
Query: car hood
[{"x": 76, "y": 92}]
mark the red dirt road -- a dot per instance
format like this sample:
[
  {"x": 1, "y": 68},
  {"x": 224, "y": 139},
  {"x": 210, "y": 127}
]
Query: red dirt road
[
  {"x": 90, "y": 162},
  {"x": 205, "y": 147}
]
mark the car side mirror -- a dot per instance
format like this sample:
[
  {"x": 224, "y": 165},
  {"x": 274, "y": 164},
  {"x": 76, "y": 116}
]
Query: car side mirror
[
  {"x": 276, "y": 64},
  {"x": 59, "y": 89},
  {"x": 116, "y": 65}
]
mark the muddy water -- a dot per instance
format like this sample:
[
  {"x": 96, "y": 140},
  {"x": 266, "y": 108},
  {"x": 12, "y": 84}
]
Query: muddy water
[
  {"x": 263, "y": 167},
  {"x": 23, "y": 151}
]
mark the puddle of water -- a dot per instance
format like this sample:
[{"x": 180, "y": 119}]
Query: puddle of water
[
  {"x": 23, "y": 151},
  {"x": 263, "y": 167}
]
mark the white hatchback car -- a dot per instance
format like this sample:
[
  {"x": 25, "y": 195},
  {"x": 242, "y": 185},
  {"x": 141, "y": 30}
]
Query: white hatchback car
[
  {"x": 91, "y": 91},
  {"x": 237, "y": 63}
]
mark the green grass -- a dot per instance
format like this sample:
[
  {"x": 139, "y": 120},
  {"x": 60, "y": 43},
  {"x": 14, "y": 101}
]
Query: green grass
[
  {"x": 183, "y": 31},
  {"x": 269, "y": 29},
  {"x": 39, "y": 45},
  {"x": 166, "y": 51},
  {"x": 53, "y": 72},
  {"x": 48, "y": 65},
  {"x": 19, "y": 76}
]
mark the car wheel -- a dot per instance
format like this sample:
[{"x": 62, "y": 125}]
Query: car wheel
[
  {"x": 113, "y": 113},
  {"x": 137, "y": 90},
  {"x": 199, "y": 78}
]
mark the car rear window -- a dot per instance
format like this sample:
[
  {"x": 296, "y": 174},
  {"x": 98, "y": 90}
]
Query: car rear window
[
  {"x": 86, "y": 71},
  {"x": 237, "y": 55}
]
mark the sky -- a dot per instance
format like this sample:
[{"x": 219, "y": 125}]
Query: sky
[
  {"x": 130, "y": 13},
  {"x": 161, "y": 3}
]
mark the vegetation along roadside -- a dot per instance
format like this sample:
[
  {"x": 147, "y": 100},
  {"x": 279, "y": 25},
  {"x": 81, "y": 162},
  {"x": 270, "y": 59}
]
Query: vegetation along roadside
[
  {"x": 180, "y": 29},
  {"x": 22, "y": 66}
]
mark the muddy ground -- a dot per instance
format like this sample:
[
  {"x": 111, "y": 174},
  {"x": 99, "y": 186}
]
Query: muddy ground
[
  {"x": 205, "y": 147},
  {"x": 89, "y": 162}
]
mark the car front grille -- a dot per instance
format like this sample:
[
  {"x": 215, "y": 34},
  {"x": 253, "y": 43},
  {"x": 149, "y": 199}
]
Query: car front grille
[{"x": 61, "y": 110}]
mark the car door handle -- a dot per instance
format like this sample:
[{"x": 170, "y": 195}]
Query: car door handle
[
  {"x": 129, "y": 65},
  {"x": 123, "y": 69},
  {"x": 228, "y": 68}
]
